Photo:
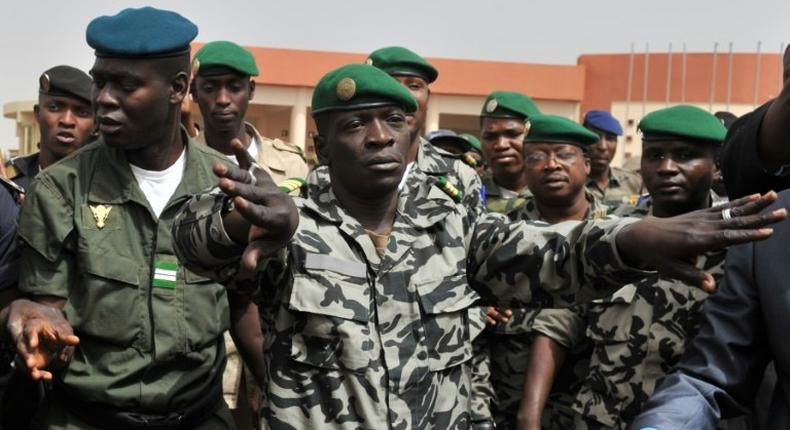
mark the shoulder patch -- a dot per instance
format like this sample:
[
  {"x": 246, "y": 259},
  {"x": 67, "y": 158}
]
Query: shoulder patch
[
  {"x": 468, "y": 159},
  {"x": 291, "y": 184},
  {"x": 444, "y": 184}
]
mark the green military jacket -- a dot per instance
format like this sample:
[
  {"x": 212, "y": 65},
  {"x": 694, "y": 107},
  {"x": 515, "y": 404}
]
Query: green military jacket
[
  {"x": 496, "y": 201},
  {"x": 354, "y": 340},
  {"x": 150, "y": 330},
  {"x": 623, "y": 184},
  {"x": 638, "y": 335},
  {"x": 510, "y": 342}
]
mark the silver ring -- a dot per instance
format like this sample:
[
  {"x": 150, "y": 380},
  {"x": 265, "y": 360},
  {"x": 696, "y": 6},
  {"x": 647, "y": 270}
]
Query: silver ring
[
  {"x": 726, "y": 214},
  {"x": 251, "y": 171}
]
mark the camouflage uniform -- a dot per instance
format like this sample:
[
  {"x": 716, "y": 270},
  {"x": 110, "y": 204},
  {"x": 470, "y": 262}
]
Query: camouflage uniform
[
  {"x": 509, "y": 343},
  {"x": 354, "y": 340},
  {"x": 436, "y": 162},
  {"x": 622, "y": 185},
  {"x": 496, "y": 201},
  {"x": 638, "y": 335}
]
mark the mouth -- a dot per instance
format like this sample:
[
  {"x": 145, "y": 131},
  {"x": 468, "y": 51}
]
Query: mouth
[
  {"x": 109, "y": 125},
  {"x": 65, "y": 137},
  {"x": 503, "y": 159},
  {"x": 224, "y": 115},
  {"x": 669, "y": 188},
  {"x": 383, "y": 164}
]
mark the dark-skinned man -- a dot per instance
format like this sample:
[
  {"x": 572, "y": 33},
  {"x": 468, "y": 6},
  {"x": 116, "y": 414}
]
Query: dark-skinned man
[
  {"x": 503, "y": 127},
  {"x": 65, "y": 121},
  {"x": 756, "y": 155},
  {"x": 609, "y": 183},
  {"x": 556, "y": 168},
  {"x": 367, "y": 308},
  {"x": 97, "y": 250},
  {"x": 638, "y": 334},
  {"x": 416, "y": 74},
  {"x": 223, "y": 86}
]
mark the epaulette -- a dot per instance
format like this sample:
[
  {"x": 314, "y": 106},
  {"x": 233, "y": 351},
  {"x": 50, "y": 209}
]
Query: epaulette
[
  {"x": 469, "y": 160},
  {"x": 291, "y": 184},
  {"x": 450, "y": 189}
]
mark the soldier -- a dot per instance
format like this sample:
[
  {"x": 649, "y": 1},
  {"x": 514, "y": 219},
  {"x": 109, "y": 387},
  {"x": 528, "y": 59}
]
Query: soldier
[
  {"x": 366, "y": 310},
  {"x": 223, "y": 87},
  {"x": 65, "y": 121},
  {"x": 608, "y": 183},
  {"x": 416, "y": 74},
  {"x": 503, "y": 127},
  {"x": 555, "y": 157},
  {"x": 639, "y": 333},
  {"x": 97, "y": 250}
]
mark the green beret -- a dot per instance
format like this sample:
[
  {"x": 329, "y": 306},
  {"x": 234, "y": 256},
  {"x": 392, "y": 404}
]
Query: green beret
[
  {"x": 473, "y": 142},
  {"x": 214, "y": 58},
  {"x": 557, "y": 129},
  {"x": 66, "y": 81},
  {"x": 399, "y": 61},
  {"x": 359, "y": 86},
  {"x": 682, "y": 122},
  {"x": 143, "y": 32},
  {"x": 509, "y": 104}
]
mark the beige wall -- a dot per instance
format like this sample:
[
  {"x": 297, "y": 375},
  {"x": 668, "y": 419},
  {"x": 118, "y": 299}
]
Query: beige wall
[{"x": 27, "y": 131}]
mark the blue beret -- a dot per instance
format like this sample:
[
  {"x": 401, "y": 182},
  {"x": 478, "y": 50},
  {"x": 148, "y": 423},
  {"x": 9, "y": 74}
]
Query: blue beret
[
  {"x": 603, "y": 121},
  {"x": 144, "y": 32}
]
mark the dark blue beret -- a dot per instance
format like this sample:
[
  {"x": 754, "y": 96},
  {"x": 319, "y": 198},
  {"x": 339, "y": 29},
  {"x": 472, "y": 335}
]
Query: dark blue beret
[
  {"x": 603, "y": 121},
  {"x": 144, "y": 32}
]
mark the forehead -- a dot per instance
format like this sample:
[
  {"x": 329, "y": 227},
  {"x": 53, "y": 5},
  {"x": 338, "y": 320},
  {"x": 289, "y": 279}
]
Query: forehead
[
  {"x": 551, "y": 147},
  {"x": 66, "y": 100},
  {"x": 674, "y": 145},
  {"x": 410, "y": 79},
  {"x": 501, "y": 124},
  {"x": 226, "y": 76},
  {"x": 134, "y": 67}
]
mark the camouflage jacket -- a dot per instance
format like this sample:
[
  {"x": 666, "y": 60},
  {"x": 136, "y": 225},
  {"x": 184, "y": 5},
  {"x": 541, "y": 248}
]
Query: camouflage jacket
[
  {"x": 622, "y": 185},
  {"x": 496, "y": 201},
  {"x": 637, "y": 335},
  {"x": 509, "y": 343},
  {"x": 354, "y": 340},
  {"x": 435, "y": 162}
]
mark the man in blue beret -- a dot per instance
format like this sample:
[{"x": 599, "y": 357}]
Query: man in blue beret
[
  {"x": 608, "y": 183},
  {"x": 65, "y": 121},
  {"x": 97, "y": 250}
]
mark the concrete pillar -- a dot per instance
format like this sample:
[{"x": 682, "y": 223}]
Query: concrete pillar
[
  {"x": 298, "y": 128},
  {"x": 432, "y": 115}
]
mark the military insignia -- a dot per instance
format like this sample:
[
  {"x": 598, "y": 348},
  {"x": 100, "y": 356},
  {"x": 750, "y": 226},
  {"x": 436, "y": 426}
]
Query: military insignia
[
  {"x": 291, "y": 184},
  {"x": 450, "y": 189},
  {"x": 369, "y": 61},
  {"x": 346, "y": 89},
  {"x": 100, "y": 214},
  {"x": 195, "y": 66},
  {"x": 491, "y": 105},
  {"x": 44, "y": 83}
]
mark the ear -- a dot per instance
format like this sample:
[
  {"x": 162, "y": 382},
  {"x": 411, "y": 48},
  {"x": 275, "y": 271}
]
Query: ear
[
  {"x": 252, "y": 89},
  {"x": 587, "y": 165},
  {"x": 179, "y": 87},
  {"x": 35, "y": 109},
  {"x": 321, "y": 148}
]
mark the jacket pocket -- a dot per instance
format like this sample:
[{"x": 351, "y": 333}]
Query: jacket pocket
[
  {"x": 609, "y": 320},
  {"x": 445, "y": 304},
  {"x": 331, "y": 322}
]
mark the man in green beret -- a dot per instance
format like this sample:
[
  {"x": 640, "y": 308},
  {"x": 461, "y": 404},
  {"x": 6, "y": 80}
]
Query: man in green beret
[
  {"x": 639, "y": 333},
  {"x": 97, "y": 251},
  {"x": 65, "y": 121},
  {"x": 416, "y": 74},
  {"x": 223, "y": 86},
  {"x": 503, "y": 127},
  {"x": 368, "y": 311},
  {"x": 556, "y": 168}
]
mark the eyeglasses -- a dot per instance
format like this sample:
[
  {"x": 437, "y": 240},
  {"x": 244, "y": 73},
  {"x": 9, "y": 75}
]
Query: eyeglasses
[{"x": 567, "y": 158}]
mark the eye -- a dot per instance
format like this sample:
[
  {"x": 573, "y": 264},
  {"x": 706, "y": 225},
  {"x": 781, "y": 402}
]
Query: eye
[
  {"x": 129, "y": 85},
  {"x": 53, "y": 107},
  {"x": 207, "y": 88},
  {"x": 84, "y": 113},
  {"x": 396, "y": 118},
  {"x": 536, "y": 158},
  {"x": 98, "y": 83}
]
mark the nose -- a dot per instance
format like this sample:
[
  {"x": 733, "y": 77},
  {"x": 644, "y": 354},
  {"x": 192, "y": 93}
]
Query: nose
[
  {"x": 105, "y": 99},
  {"x": 667, "y": 166},
  {"x": 378, "y": 134},
  {"x": 67, "y": 119},
  {"x": 502, "y": 143},
  {"x": 223, "y": 98},
  {"x": 551, "y": 162}
]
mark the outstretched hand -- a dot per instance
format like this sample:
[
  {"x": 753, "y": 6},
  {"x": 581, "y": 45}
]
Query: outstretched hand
[
  {"x": 671, "y": 245},
  {"x": 267, "y": 214},
  {"x": 44, "y": 339}
]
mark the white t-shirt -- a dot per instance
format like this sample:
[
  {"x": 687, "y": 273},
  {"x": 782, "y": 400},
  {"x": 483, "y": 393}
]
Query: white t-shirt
[
  {"x": 253, "y": 150},
  {"x": 159, "y": 185}
]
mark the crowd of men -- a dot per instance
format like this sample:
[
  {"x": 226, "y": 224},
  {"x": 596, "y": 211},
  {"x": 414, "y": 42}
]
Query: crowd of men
[{"x": 162, "y": 272}]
